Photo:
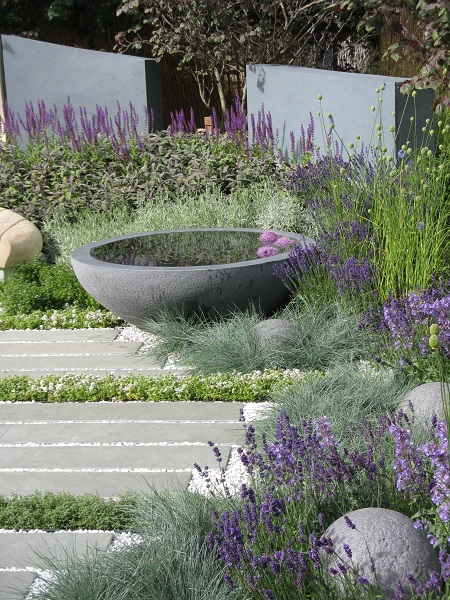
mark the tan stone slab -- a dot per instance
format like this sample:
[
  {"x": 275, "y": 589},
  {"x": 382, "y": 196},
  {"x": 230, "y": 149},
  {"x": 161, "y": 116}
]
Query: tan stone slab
[
  {"x": 52, "y": 364},
  {"x": 59, "y": 335},
  {"x": 110, "y": 458},
  {"x": 172, "y": 411},
  {"x": 106, "y": 485},
  {"x": 129, "y": 432},
  {"x": 32, "y": 349},
  {"x": 21, "y": 549},
  {"x": 14, "y": 585}
]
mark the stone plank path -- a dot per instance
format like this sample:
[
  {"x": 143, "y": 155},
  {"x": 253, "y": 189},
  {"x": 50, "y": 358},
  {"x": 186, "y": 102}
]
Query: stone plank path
[
  {"x": 93, "y": 351},
  {"x": 107, "y": 448}
]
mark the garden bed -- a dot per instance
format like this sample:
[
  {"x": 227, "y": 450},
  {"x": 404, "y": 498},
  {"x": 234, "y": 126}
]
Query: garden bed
[{"x": 374, "y": 289}]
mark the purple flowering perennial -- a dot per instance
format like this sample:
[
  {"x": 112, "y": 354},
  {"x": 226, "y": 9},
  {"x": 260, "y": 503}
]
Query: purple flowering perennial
[
  {"x": 266, "y": 251},
  {"x": 268, "y": 237}
]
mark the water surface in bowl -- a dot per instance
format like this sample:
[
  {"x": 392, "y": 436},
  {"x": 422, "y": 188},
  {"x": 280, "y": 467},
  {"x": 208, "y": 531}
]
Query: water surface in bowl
[{"x": 181, "y": 249}]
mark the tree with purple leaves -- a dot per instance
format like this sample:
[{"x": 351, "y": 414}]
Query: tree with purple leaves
[{"x": 212, "y": 39}]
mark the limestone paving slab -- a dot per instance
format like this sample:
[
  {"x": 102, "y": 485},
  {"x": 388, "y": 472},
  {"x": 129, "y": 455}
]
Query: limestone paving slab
[
  {"x": 3, "y": 430},
  {"x": 73, "y": 458},
  {"x": 69, "y": 363},
  {"x": 116, "y": 372},
  {"x": 8, "y": 349},
  {"x": 129, "y": 432},
  {"x": 14, "y": 585},
  {"x": 59, "y": 335},
  {"x": 169, "y": 411},
  {"x": 106, "y": 485},
  {"x": 22, "y": 549}
]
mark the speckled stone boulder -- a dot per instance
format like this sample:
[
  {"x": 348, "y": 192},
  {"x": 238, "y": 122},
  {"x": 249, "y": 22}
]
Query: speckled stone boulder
[
  {"x": 275, "y": 333},
  {"x": 390, "y": 539},
  {"x": 20, "y": 240},
  {"x": 426, "y": 400}
]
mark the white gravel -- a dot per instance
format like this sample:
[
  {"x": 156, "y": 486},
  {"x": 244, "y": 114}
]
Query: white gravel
[{"x": 131, "y": 333}]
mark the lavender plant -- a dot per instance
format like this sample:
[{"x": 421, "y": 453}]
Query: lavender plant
[
  {"x": 424, "y": 471},
  {"x": 383, "y": 223},
  {"x": 104, "y": 162},
  {"x": 400, "y": 330},
  {"x": 272, "y": 546},
  {"x": 43, "y": 127}
]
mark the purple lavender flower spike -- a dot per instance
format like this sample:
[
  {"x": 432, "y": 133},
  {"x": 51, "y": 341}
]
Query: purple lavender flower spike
[{"x": 349, "y": 523}]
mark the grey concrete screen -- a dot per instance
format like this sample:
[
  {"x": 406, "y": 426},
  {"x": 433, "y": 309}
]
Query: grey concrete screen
[
  {"x": 40, "y": 71},
  {"x": 290, "y": 94}
]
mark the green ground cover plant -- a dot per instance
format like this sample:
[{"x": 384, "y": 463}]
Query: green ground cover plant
[
  {"x": 226, "y": 387},
  {"x": 40, "y": 286},
  {"x": 54, "y": 512},
  {"x": 66, "y": 318}
]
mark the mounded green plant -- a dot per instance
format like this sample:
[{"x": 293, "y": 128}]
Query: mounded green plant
[
  {"x": 262, "y": 205},
  {"x": 49, "y": 511},
  {"x": 40, "y": 286}
]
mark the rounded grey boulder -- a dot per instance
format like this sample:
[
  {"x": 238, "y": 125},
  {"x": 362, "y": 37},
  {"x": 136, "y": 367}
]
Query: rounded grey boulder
[
  {"x": 275, "y": 333},
  {"x": 389, "y": 539},
  {"x": 426, "y": 400}
]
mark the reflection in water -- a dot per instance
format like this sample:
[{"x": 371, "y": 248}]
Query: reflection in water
[{"x": 181, "y": 249}]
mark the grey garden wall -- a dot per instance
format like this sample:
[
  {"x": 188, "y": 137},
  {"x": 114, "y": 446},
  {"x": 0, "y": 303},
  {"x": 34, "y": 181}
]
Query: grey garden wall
[
  {"x": 291, "y": 93},
  {"x": 37, "y": 70}
]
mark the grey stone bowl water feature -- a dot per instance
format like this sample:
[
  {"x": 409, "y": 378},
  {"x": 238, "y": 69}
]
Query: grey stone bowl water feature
[{"x": 188, "y": 270}]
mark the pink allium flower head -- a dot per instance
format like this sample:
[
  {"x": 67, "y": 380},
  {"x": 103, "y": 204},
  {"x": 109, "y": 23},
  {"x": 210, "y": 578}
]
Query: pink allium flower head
[
  {"x": 268, "y": 237},
  {"x": 283, "y": 242},
  {"x": 265, "y": 251}
]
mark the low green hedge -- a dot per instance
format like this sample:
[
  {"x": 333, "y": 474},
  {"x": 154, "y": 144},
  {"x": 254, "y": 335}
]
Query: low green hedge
[
  {"x": 53, "y": 512},
  {"x": 248, "y": 387}
]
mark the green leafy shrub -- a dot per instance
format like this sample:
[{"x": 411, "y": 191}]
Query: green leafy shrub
[
  {"x": 50, "y": 511},
  {"x": 40, "y": 286}
]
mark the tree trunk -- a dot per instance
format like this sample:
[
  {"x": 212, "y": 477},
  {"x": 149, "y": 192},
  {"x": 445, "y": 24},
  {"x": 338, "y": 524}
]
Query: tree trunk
[
  {"x": 223, "y": 105},
  {"x": 244, "y": 96}
]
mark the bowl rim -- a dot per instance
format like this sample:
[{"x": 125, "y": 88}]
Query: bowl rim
[{"x": 83, "y": 253}]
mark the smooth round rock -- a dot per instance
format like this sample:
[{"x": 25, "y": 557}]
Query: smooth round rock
[
  {"x": 275, "y": 333},
  {"x": 390, "y": 539},
  {"x": 426, "y": 400}
]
